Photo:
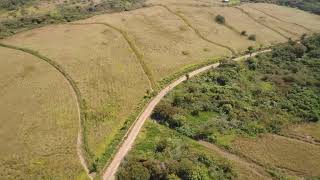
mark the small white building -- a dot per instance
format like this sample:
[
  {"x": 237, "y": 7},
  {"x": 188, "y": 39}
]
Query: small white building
[{"x": 225, "y": 1}]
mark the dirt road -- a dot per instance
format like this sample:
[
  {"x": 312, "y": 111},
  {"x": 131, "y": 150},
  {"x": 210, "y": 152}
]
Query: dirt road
[{"x": 136, "y": 127}]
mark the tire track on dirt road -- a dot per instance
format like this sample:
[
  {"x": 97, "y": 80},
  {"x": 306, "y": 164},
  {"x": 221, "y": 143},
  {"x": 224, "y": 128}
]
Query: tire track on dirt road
[
  {"x": 134, "y": 49},
  {"x": 257, "y": 21},
  {"x": 233, "y": 52},
  {"x": 126, "y": 145},
  {"x": 81, "y": 149}
]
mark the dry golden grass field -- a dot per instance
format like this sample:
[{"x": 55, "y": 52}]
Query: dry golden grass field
[
  {"x": 308, "y": 132},
  {"x": 39, "y": 120},
  {"x": 165, "y": 41},
  {"x": 108, "y": 75},
  {"x": 116, "y": 58},
  {"x": 286, "y": 30},
  {"x": 286, "y": 15},
  {"x": 282, "y": 153}
]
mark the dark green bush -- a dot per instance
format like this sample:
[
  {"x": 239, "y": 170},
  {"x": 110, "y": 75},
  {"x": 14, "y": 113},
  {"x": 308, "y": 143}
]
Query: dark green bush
[
  {"x": 220, "y": 19},
  {"x": 252, "y": 37}
]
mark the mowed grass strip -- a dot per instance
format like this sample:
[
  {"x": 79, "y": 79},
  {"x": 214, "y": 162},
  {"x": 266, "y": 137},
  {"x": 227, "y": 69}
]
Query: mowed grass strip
[
  {"x": 165, "y": 41},
  {"x": 280, "y": 152},
  {"x": 104, "y": 68},
  {"x": 39, "y": 120}
]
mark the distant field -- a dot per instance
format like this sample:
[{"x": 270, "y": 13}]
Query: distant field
[
  {"x": 289, "y": 155},
  {"x": 39, "y": 120},
  {"x": 166, "y": 42},
  {"x": 290, "y": 15},
  {"x": 203, "y": 19},
  {"x": 277, "y": 22}
]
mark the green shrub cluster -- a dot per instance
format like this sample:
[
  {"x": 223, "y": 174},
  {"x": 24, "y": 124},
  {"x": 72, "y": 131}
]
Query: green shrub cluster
[
  {"x": 13, "y": 4},
  {"x": 172, "y": 158},
  {"x": 64, "y": 13},
  {"x": 220, "y": 19},
  {"x": 262, "y": 94}
]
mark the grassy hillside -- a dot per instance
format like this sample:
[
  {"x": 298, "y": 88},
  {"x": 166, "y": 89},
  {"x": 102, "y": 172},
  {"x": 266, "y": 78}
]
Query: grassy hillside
[
  {"x": 108, "y": 75},
  {"x": 39, "y": 120}
]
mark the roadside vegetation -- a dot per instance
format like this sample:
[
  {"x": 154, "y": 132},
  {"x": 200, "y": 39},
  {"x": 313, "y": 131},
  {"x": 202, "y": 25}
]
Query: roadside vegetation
[
  {"x": 161, "y": 153},
  {"x": 15, "y": 17},
  {"x": 262, "y": 94}
]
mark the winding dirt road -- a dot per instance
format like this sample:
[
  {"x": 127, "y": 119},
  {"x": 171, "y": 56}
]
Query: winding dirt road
[{"x": 136, "y": 127}]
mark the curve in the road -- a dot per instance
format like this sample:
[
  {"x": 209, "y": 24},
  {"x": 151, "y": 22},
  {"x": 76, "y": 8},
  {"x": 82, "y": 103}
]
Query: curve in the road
[
  {"x": 76, "y": 92},
  {"x": 136, "y": 127}
]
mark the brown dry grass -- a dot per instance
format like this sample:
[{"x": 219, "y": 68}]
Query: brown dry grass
[
  {"x": 166, "y": 42},
  {"x": 285, "y": 29},
  {"x": 39, "y": 120},
  {"x": 281, "y": 152},
  {"x": 306, "y": 131},
  {"x": 291, "y": 15},
  {"x": 109, "y": 76},
  {"x": 204, "y": 20}
]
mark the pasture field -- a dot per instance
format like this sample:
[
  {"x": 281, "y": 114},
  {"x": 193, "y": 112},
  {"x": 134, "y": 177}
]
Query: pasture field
[
  {"x": 308, "y": 131},
  {"x": 277, "y": 22},
  {"x": 164, "y": 40},
  {"x": 39, "y": 120},
  {"x": 290, "y": 15},
  {"x": 289, "y": 155},
  {"x": 108, "y": 75},
  {"x": 203, "y": 19},
  {"x": 177, "y": 148}
]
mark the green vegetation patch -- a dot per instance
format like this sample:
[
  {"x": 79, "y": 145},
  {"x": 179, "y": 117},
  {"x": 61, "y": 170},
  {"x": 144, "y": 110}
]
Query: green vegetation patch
[
  {"x": 262, "y": 94},
  {"x": 64, "y": 12},
  {"x": 161, "y": 153}
]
